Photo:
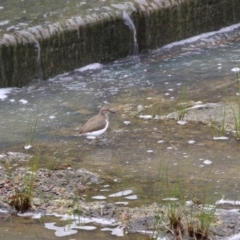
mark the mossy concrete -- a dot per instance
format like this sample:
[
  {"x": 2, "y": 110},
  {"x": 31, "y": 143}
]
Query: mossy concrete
[{"x": 43, "y": 52}]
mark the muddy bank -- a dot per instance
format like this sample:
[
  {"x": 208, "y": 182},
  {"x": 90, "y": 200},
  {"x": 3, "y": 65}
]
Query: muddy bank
[{"x": 62, "y": 191}]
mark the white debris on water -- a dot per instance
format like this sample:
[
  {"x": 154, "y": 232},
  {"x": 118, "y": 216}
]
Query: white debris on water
[
  {"x": 100, "y": 197},
  {"x": 121, "y": 203},
  {"x": 223, "y": 201},
  {"x": 92, "y": 66},
  {"x": 121, "y": 193},
  {"x": 170, "y": 199},
  {"x": 60, "y": 231},
  {"x": 145, "y": 116},
  {"x": 118, "y": 231},
  {"x": 52, "y": 117},
  {"x": 4, "y": 92},
  {"x": 181, "y": 122},
  {"x": 139, "y": 108},
  {"x": 207, "y": 162},
  {"x": 191, "y": 141},
  {"x": 91, "y": 137},
  {"x": 132, "y": 197},
  {"x": 28, "y": 146},
  {"x": 126, "y": 122},
  {"x": 220, "y": 138}
]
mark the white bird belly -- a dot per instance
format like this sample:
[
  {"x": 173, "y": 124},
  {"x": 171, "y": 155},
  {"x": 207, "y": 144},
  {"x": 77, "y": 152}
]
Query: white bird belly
[{"x": 98, "y": 132}]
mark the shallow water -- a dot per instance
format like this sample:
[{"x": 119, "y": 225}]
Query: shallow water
[
  {"x": 151, "y": 157},
  {"x": 16, "y": 15}
]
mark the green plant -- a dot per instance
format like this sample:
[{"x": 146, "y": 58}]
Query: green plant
[
  {"x": 236, "y": 111},
  {"x": 219, "y": 130},
  {"x": 175, "y": 215},
  {"x": 31, "y": 130},
  {"x": 236, "y": 118},
  {"x": 205, "y": 219},
  {"x": 22, "y": 199},
  {"x": 182, "y": 104}
]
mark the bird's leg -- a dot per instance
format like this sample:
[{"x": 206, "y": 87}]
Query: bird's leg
[{"x": 96, "y": 140}]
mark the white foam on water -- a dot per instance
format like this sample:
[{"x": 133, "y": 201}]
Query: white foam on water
[
  {"x": 232, "y": 202},
  {"x": 52, "y": 117},
  {"x": 92, "y": 66},
  {"x": 60, "y": 231},
  {"x": 30, "y": 214},
  {"x": 23, "y": 101},
  {"x": 4, "y": 92},
  {"x": 236, "y": 69},
  {"x": 4, "y": 22},
  {"x": 234, "y": 237},
  {"x": 79, "y": 223},
  {"x": 118, "y": 231},
  {"x": 120, "y": 194},
  {"x": 203, "y": 36},
  {"x": 3, "y": 211},
  {"x": 191, "y": 141}
]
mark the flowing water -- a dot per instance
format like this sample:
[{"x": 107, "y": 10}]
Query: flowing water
[
  {"x": 149, "y": 156},
  {"x": 16, "y": 15}
]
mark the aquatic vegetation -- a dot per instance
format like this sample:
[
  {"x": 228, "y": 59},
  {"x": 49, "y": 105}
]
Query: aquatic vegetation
[
  {"x": 21, "y": 202},
  {"x": 236, "y": 110},
  {"x": 182, "y": 104},
  {"x": 23, "y": 197},
  {"x": 219, "y": 130},
  {"x": 31, "y": 131}
]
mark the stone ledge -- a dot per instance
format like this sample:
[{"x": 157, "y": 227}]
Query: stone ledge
[{"x": 43, "y": 52}]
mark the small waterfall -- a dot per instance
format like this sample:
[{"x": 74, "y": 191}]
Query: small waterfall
[
  {"x": 37, "y": 46},
  {"x": 128, "y": 21}
]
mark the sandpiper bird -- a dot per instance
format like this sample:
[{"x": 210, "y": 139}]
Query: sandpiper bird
[{"x": 97, "y": 125}]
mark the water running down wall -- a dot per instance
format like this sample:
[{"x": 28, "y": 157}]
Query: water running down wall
[{"x": 43, "y": 52}]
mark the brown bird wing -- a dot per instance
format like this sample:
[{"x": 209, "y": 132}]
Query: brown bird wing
[{"x": 93, "y": 124}]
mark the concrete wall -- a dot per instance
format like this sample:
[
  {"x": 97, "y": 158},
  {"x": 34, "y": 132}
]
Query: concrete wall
[{"x": 45, "y": 52}]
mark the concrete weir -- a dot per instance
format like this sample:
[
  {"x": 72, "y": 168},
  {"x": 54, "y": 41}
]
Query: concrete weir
[{"x": 45, "y": 51}]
